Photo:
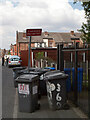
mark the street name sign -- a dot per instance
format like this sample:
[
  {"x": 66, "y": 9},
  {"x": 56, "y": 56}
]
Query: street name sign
[{"x": 33, "y": 32}]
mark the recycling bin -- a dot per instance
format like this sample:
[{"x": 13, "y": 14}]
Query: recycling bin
[
  {"x": 68, "y": 81},
  {"x": 50, "y": 68},
  {"x": 21, "y": 72},
  {"x": 42, "y": 83},
  {"x": 56, "y": 89},
  {"x": 15, "y": 73},
  {"x": 36, "y": 71},
  {"x": 17, "y": 69},
  {"x": 79, "y": 78},
  {"x": 28, "y": 92}
]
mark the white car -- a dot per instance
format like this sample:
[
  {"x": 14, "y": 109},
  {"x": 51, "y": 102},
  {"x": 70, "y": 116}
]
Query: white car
[{"x": 14, "y": 61}]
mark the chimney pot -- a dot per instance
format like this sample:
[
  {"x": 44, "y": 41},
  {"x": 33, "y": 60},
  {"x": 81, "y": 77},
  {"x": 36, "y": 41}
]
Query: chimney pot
[
  {"x": 72, "y": 32},
  {"x": 46, "y": 33}
]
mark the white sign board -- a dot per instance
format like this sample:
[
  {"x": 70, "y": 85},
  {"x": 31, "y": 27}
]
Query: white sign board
[{"x": 23, "y": 89}]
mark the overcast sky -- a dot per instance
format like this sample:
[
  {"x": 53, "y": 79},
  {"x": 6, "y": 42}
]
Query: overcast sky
[{"x": 50, "y": 15}]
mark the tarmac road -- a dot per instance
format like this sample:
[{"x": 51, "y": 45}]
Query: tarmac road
[{"x": 8, "y": 93}]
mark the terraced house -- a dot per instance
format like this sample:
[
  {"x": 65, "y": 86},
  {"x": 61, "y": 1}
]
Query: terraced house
[{"x": 46, "y": 40}]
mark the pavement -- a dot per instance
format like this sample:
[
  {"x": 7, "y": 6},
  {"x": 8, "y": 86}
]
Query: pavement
[
  {"x": 0, "y": 89},
  {"x": 10, "y": 103}
]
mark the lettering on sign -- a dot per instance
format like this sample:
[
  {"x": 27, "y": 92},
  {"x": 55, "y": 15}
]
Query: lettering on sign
[
  {"x": 33, "y": 32},
  {"x": 35, "y": 90},
  {"x": 23, "y": 89}
]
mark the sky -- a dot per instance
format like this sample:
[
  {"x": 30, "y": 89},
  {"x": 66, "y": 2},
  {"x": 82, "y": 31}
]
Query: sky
[{"x": 50, "y": 15}]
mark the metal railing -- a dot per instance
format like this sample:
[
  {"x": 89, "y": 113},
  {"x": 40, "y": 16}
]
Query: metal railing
[{"x": 79, "y": 80}]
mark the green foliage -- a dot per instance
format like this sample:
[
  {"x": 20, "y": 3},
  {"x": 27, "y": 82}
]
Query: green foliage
[
  {"x": 9, "y": 52},
  {"x": 39, "y": 56},
  {"x": 85, "y": 28}
]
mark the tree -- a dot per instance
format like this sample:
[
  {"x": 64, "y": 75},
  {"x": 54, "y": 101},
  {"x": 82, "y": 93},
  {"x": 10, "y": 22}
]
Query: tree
[
  {"x": 39, "y": 56},
  {"x": 9, "y": 52},
  {"x": 85, "y": 28}
]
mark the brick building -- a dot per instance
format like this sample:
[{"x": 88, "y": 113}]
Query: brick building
[{"x": 47, "y": 39}]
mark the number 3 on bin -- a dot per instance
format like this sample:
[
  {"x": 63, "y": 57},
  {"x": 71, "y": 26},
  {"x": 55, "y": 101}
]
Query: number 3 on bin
[{"x": 58, "y": 87}]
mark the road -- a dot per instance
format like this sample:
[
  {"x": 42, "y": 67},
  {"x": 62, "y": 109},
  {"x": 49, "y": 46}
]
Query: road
[
  {"x": 0, "y": 90},
  {"x": 8, "y": 93},
  {"x": 10, "y": 102}
]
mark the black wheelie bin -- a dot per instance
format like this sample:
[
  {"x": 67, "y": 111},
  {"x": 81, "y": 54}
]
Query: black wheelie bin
[
  {"x": 56, "y": 89},
  {"x": 15, "y": 73},
  {"x": 36, "y": 71},
  {"x": 28, "y": 92}
]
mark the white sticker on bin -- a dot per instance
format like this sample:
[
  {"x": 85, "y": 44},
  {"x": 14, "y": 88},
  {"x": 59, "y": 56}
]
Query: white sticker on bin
[
  {"x": 35, "y": 89},
  {"x": 23, "y": 89}
]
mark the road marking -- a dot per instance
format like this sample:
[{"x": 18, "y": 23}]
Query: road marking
[{"x": 15, "y": 106}]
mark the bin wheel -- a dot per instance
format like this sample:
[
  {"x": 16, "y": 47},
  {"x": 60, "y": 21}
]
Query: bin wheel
[{"x": 66, "y": 107}]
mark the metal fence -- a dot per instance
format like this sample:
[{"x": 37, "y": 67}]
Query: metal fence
[{"x": 75, "y": 63}]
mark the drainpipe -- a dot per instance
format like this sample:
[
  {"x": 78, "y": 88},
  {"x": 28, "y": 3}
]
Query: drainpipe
[{"x": 17, "y": 41}]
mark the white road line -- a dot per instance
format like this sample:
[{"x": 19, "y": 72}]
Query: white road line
[{"x": 15, "y": 106}]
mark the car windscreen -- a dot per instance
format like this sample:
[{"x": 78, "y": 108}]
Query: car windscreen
[{"x": 14, "y": 59}]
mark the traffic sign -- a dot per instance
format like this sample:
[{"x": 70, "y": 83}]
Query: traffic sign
[{"x": 33, "y": 32}]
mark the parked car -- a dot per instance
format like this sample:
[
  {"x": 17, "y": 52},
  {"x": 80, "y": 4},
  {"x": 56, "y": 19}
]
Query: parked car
[{"x": 14, "y": 61}]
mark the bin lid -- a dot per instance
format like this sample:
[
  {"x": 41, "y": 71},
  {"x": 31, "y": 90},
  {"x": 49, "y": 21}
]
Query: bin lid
[
  {"x": 52, "y": 72},
  {"x": 51, "y": 68},
  {"x": 32, "y": 69},
  {"x": 27, "y": 78},
  {"x": 37, "y": 73},
  {"x": 18, "y": 68},
  {"x": 42, "y": 70},
  {"x": 56, "y": 76},
  {"x": 22, "y": 71}
]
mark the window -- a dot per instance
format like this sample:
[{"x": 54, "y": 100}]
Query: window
[
  {"x": 50, "y": 44},
  {"x": 24, "y": 35}
]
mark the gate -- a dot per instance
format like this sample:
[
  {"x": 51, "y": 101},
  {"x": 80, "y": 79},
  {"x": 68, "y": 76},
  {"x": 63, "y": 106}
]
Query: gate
[{"x": 76, "y": 63}]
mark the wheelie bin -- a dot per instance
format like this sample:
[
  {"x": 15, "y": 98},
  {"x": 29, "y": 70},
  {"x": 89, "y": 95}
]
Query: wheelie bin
[
  {"x": 28, "y": 92},
  {"x": 15, "y": 73},
  {"x": 36, "y": 71},
  {"x": 79, "y": 78},
  {"x": 68, "y": 81},
  {"x": 15, "y": 70},
  {"x": 56, "y": 89},
  {"x": 50, "y": 68},
  {"x": 42, "y": 83}
]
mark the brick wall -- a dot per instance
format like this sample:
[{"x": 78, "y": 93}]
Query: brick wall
[{"x": 51, "y": 53}]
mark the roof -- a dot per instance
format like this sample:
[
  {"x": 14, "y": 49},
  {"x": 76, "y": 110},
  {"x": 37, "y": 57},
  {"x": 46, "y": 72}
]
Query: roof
[{"x": 56, "y": 36}]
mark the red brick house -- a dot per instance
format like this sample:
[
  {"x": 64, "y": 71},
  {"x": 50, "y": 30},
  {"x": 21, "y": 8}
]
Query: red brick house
[
  {"x": 47, "y": 39},
  {"x": 13, "y": 49}
]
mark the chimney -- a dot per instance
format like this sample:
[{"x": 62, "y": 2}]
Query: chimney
[
  {"x": 24, "y": 33},
  {"x": 72, "y": 32},
  {"x": 46, "y": 33}
]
